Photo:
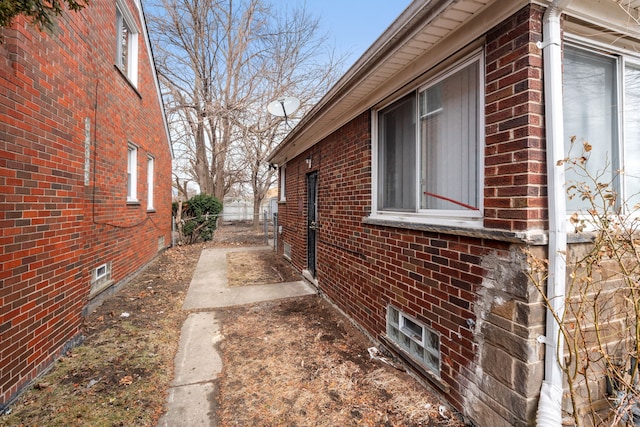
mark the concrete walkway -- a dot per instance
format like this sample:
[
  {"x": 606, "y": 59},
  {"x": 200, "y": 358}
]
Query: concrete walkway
[{"x": 191, "y": 399}]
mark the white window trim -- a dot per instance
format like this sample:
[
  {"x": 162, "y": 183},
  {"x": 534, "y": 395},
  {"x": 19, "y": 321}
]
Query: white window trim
[
  {"x": 150, "y": 181},
  {"x": 132, "y": 56},
  {"x": 106, "y": 272},
  {"x": 132, "y": 173},
  {"x": 100, "y": 281},
  {"x": 624, "y": 56},
  {"x": 458, "y": 218}
]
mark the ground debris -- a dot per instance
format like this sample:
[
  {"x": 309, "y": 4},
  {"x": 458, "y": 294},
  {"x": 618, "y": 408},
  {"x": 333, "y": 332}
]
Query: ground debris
[
  {"x": 121, "y": 372},
  {"x": 294, "y": 362},
  {"x": 314, "y": 369}
]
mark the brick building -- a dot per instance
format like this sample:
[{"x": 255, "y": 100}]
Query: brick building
[
  {"x": 85, "y": 177},
  {"x": 408, "y": 193}
]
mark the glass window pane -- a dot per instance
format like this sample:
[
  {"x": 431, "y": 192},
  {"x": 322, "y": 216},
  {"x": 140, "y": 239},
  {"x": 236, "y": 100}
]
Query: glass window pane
[
  {"x": 632, "y": 135},
  {"x": 396, "y": 155},
  {"x": 432, "y": 340},
  {"x": 416, "y": 350},
  {"x": 124, "y": 47},
  {"x": 590, "y": 114},
  {"x": 132, "y": 178},
  {"x": 150, "y": 181},
  {"x": 406, "y": 341},
  {"x": 432, "y": 361},
  {"x": 449, "y": 142},
  {"x": 283, "y": 181},
  {"x": 412, "y": 329},
  {"x": 393, "y": 316},
  {"x": 393, "y": 333}
]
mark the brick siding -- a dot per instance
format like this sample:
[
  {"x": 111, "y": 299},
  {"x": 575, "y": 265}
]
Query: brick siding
[
  {"x": 470, "y": 289},
  {"x": 515, "y": 168},
  {"x": 54, "y": 229}
]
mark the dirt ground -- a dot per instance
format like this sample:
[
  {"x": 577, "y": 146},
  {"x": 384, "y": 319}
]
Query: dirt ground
[
  {"x": 119, "y": 375},
  {"x": 299, "y": 362},
  {"x": 294, "y": 362},
  {"x": 258, "y": 268}
]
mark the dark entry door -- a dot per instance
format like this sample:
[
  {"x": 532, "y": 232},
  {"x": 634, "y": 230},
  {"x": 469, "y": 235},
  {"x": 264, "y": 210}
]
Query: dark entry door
[{"x": 312, "y": 221}]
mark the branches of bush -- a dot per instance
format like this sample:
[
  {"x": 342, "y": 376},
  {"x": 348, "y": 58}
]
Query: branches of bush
[
  {"x": 600, "y": 323},
  {"x": 197, "y": 219}
]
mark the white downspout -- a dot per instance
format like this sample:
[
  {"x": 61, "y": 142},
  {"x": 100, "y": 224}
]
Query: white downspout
[{"x": 550, "y": 403}]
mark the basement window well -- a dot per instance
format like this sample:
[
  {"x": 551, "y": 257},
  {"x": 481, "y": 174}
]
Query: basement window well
[
  {"x": 100, "y": 279},
  {"x": 414, "y": 338}
]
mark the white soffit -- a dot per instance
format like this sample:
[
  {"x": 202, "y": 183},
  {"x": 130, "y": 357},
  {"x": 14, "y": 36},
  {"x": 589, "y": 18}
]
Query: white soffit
[
  {"x": 411, "y": 37},
  {"x": 622, "y": 16},
  {"x": 389, "y": 63}
]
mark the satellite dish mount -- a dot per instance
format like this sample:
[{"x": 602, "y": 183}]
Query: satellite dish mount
[{"x": 283, "y": 107}]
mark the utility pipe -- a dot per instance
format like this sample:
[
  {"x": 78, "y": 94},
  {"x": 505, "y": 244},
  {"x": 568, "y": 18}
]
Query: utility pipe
[{"x": 550, "y": 403}]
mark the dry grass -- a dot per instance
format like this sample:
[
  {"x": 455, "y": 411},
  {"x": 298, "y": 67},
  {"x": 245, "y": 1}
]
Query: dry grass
[
  {"x": 120, "y": 375},
  {"x": 294, "y": 362},
  {"x": 258, "y": 268},
  {"x": 298, "y": 362}
]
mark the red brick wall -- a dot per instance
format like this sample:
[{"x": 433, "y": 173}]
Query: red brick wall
[
  {"x": 515, "y": 169},
  {"x": 54, "y": 229},
  {"x": 440, "y": 278}
]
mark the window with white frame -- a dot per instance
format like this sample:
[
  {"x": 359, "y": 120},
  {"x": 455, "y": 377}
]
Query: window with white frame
[
  {"x": 126, "y": 43},
  {"x": 101, "y": 277},
  {"x": 428, "y": 148},
  {"x": 414, "y": 338},
  {"x": 132, "y": 173},
  {"x": 601, "y": 103},
  {"x": 283, "y": 182},
  {"x": 150, "y": 181}
]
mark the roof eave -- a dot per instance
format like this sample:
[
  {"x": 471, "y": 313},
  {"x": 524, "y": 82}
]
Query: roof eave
[
  {"x": 416, "y": 17},
  {"x": 386, "y": 43}
]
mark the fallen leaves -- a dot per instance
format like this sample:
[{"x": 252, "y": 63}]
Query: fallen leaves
[
  {"x": 299, "y": 362},
  {"x": 260, "y": 267},
  {"x": 126, "y": 380},
  {"x": 121, "y": 373}
]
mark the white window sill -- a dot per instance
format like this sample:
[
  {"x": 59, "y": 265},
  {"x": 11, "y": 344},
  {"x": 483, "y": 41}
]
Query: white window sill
[{"x": 438, "y": 220}]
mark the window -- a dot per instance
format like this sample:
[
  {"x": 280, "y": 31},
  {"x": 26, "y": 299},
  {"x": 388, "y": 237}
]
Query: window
[
  {"x": 414, "y": 338},
  {"x": 287, "y": 250},
  {"x": 126, "y": 43},
  {"x": 150, "y": 172},
  {"x": 101, "y": 278},
  {"x": 132, "y": 173},
  {"x": 101, "y": 272},
  {"x": 283, "y": 194},
  {"x": 428, "y": 148},
  {"x": 601, "y": 102}
]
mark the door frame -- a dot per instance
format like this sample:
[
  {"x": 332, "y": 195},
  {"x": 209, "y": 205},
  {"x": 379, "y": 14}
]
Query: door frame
[{"x": 312, "y": 223}]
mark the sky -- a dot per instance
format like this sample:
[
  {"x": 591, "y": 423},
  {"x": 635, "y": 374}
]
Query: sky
[{"x": 353, "y": 25}]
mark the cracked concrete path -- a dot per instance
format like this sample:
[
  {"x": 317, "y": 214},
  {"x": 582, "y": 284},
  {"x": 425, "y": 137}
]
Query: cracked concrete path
[
  {"x": 191, "y": 400},
  {"x": 209, "y": 288}
]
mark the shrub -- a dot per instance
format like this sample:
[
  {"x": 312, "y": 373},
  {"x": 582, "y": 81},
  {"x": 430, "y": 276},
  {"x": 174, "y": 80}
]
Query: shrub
[{"x": 197, "y": 218}]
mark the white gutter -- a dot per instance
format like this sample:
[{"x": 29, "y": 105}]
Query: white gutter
[{"x": 550, "y": 403}]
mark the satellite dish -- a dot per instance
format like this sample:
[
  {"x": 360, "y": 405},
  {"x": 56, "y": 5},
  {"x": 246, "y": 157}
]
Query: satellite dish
[{"x": 283, "y": 107}]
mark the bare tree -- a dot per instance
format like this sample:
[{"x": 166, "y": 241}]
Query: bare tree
[
  {"x": 290, "y": 68},
  {"x": 220, "y": 62}
]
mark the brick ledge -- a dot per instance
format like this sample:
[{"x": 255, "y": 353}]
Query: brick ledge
[{"x": 534, "y": 237}]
